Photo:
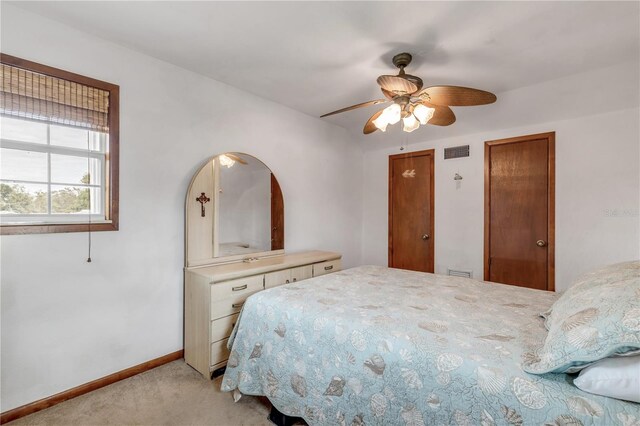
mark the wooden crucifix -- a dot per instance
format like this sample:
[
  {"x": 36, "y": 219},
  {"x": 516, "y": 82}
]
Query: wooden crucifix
[{"x": 202, "y": 199}]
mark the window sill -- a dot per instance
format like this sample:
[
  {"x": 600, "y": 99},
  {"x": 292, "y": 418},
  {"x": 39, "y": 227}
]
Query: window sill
[{"x": 54, "y": 228}]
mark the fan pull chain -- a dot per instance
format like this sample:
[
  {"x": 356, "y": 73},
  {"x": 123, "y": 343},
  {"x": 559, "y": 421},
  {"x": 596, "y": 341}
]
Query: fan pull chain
[{"x": 405, "y": 141}]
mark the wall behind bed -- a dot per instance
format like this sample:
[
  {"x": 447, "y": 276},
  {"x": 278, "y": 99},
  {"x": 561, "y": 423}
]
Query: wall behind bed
[
  {"x": 66, "y": 322},
  {"x": 597, "y": 193}
]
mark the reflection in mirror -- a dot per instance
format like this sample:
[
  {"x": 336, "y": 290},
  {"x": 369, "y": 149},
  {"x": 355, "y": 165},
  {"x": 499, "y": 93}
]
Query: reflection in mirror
[
  {"x": 234, "y": 207},
  {"x": 244, "y": 206}
]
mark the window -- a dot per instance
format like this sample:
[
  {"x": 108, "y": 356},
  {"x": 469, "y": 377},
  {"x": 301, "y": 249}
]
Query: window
[{"x": 58, "y": 150}]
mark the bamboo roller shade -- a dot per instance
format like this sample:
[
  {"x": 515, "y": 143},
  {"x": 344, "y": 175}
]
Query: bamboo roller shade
[{"x": 40, "y": 97}]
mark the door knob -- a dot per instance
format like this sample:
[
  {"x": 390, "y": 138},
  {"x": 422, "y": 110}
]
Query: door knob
[
  {"x": 541, "y": 243},
  {"x": 425, "y": 236}
]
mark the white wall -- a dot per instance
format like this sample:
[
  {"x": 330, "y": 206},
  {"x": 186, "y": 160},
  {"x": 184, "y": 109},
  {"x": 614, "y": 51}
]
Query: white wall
[
  {"x": 66, "y": 322},
  {"x": 597, "y": 195}
]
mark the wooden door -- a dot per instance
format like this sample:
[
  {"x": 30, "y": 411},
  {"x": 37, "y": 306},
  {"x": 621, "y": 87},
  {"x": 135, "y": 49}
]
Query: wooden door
[
  {"x": 411, "y": 211},
  {"x": 277, "y": 215},
  {"x": 519, "y": 211}
]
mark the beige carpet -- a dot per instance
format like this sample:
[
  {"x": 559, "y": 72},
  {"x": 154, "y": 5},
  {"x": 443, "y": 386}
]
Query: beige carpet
[{"x": 173, "y": 394}]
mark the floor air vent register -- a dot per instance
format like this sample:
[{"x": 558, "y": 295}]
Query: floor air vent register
[{"x": 460, "y": 273}]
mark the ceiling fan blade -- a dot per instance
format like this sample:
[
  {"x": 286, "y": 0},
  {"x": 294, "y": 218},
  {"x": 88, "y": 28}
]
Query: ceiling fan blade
[
  {"x": 442, "y": 116},
  {"x": 396, "y": 84},
  {"x": 388, "y": 94},
  {"x": 236, "y": 158},
  {"x": 415, "y": 80},
  {"x": 456, "y": 96},
  {"x": 364, "y": 104},
  {"x": 369, "y": 127}
]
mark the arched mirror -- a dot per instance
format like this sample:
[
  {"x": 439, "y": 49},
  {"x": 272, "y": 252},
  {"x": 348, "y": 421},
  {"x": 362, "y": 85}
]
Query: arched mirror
[{"x": 234, "y": 210}]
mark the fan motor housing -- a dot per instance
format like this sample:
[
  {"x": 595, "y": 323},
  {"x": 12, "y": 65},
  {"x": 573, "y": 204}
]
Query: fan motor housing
[{"x": 401, "y": 60}]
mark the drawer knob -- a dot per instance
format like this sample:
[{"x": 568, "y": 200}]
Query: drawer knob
[
  {"x": 286, "y": 282},
  {"x": 240, "y": 287},
  {"x": 237, "y": 305},
  {"x": 295, "y": 279},
  {"x": 328, "y": 268}
]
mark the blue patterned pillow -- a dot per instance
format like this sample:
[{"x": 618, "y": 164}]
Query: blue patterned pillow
[{"x": 597, "y": 317}]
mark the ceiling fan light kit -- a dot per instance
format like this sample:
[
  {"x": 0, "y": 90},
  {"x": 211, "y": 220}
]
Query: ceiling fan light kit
[
  {"x": 415, "y": 105},
  {"x": 423, "y": 113},
  {"x": 228, "y": 160},
  {"x": 390, "y": 115},
  {"x": 410, "y": 123}
]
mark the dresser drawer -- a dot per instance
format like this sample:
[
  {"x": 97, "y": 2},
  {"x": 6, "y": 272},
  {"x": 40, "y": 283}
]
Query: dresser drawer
[
  {"x": 301, "y": 273},
  {"x": 219, "y": 352},
  {"x": 237, "y": 287},
  {"x": 326, "y": 267},
  {"x": 274, "y": 279},
  {"x": 222, "y": 327},
  {"x": 231, "y": 305}
]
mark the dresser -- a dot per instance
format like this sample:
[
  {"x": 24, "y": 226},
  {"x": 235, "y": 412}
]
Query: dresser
[{"x": 214, "y": 296}]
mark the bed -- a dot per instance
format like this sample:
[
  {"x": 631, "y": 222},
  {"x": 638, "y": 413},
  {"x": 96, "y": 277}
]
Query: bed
[{"x": 374, "y": 345}]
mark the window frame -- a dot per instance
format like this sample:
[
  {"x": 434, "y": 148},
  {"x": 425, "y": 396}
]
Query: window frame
[
  {"x": 49, "y": 149},
  {"x": 112, "y": 157}
]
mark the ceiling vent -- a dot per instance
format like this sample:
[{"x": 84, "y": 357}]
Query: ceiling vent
[{"x": 456, "y": 152}]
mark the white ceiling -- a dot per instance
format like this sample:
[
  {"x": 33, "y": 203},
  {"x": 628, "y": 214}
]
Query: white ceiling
[{"x": 316, "y": 57}]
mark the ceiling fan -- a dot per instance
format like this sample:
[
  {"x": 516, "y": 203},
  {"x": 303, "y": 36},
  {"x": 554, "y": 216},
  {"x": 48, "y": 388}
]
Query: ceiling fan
[
  {"x": 229, "y": 159},
  {"x": 414, "y": 105}
]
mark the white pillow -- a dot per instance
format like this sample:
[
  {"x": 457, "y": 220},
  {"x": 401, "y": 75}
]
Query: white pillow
[{"x": 617, "y": 377}]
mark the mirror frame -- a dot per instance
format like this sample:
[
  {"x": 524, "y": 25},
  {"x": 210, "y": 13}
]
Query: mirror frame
[{"x": 222, "y": 259}]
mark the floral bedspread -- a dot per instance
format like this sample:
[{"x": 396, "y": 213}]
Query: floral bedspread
[{"x": 373, "y": 345}]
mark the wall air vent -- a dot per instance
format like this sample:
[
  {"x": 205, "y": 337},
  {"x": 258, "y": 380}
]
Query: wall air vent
[
  {"x": 456, "y": 152},
  {"x": 459, "y": 273}
]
